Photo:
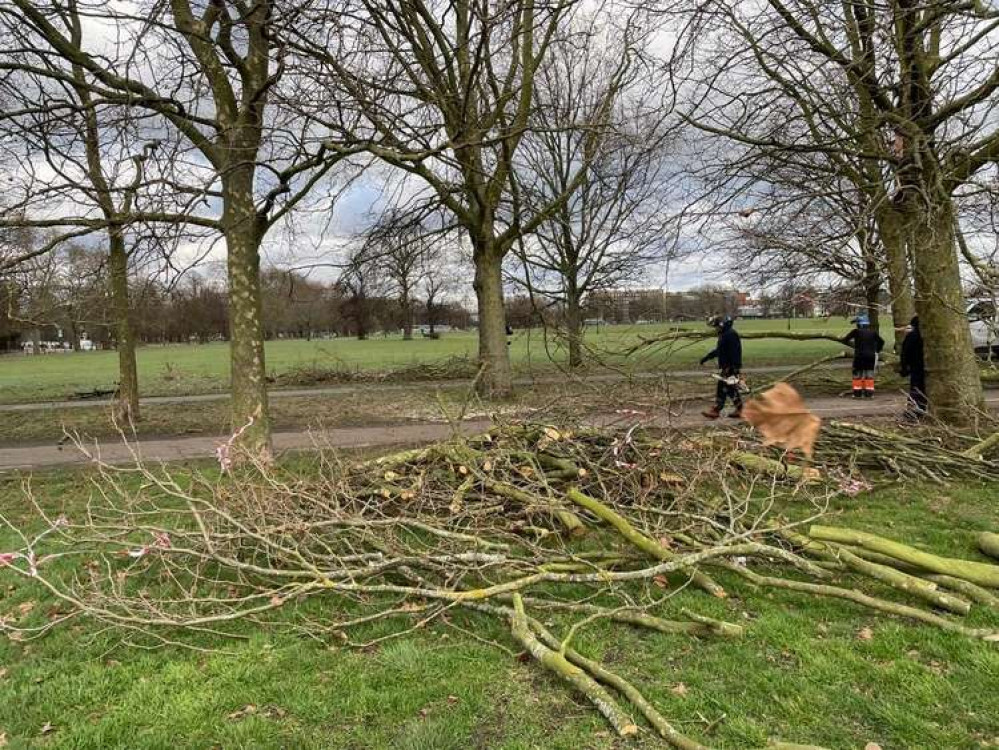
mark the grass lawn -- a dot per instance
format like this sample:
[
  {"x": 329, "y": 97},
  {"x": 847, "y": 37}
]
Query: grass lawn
[
  {"x": 813, "y": 671},
  {"x": 183, "y": 369}
]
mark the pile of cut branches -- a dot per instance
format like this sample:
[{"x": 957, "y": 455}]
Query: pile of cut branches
[{"x": 519, "y": 524}]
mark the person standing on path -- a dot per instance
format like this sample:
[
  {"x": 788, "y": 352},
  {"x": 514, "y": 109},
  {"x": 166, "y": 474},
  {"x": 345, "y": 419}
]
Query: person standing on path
[
  {"x": 913, "y": 367},
  {"x": 728, "y": 352},
  {"x": 867, "y": 344}
]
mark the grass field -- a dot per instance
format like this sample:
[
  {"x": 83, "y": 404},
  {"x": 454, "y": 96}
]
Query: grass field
[
  {"x": 810, "y": 671},
  {"x": 184, "y": 369}
]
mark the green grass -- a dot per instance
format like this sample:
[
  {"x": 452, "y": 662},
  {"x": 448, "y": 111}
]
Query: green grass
[
  {"x": 801, "y": 674},
  {"x": 183, "y": 369}
]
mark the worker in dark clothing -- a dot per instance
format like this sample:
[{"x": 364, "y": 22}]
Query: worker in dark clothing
[
  {"x": 913, "y": 367},
  {"x": 867, "y": 344},
  {"x": 728, "y": 352}
]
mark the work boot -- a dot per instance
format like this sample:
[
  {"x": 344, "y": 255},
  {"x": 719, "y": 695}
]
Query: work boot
[
  {"x": 713, "y": 413},
  {"x": 868, "y": 394},
  {"x": 857, "y": 393},
  {"x": 735, "y": 413}
]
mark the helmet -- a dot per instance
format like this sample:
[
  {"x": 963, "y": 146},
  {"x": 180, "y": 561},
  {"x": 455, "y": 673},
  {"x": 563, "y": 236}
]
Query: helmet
[
  {"x": 720, "y": 321},
  {"x": 861, "y": 320}
]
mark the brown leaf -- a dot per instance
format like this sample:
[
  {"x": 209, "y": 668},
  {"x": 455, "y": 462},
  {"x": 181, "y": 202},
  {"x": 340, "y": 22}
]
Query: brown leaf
[
  {"x": 247, "y": 710},
  {"x": 452, "y": 700},
  {"x": 277, "y": 601},
  {"x": 48, "y": 728},
  {"x": 25, "y": 607},
  {"x": 872, "y": 746},
  {"x": 661, "y": 581},
  {"x": 3, "y": 672},
  {"x": 783, "y": 419},
  {"x": 679, "y": 689},
  {"x": 865, "y": 634},
  {"x": 3, "y": 739}
]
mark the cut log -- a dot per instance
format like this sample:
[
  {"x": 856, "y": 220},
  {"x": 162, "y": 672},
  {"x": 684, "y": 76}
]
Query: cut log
[
  {"x": 988, "y": 543},
  {"x": 769, "y": 466},
  {"x": 983, "y": 574},
  {"x": 926, "y": 590}
]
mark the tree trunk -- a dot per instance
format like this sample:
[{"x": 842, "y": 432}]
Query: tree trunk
[
  {"x": 891, "y": 230},
  {"x": 249, "y": 387},
  {"x": 362, "y": 317},
  {"x": 407, "y": 316},
  {"x": 494, "y": 356},
  {"x": 128, "y": 373},
  {"x": 431, "y": 315},
  {"x": 952, "y": 375},
  {"x": 574, "y": 330},
  {"x": 872, "y": 291}
]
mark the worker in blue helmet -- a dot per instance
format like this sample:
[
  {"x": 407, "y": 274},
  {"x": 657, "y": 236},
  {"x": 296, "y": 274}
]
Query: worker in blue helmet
[
  {"x": 867, "y": 345},
  {"x": 728, "y": 352}
]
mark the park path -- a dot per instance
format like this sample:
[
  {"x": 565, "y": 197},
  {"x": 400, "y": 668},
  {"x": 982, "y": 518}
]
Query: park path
[
  {"x": 339, "y": 390},
  {"x": 189, "y": 448}
]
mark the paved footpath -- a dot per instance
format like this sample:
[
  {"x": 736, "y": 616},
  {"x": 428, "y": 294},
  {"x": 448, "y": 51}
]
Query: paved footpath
[{"x": 186, "y": 448}]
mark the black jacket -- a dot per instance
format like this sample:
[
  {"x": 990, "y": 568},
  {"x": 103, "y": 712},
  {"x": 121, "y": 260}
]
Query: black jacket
[
  {"x": 866, "y": 345},
  {"x": 728, "y": 350},
  {"x": 912, "y": 363}
]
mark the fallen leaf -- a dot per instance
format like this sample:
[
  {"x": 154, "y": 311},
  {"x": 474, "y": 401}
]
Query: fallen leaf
[
  {"x": 679, "y": 689},
  {"x": 3, "y": 672},
  {"x": 274, "y": 712},
  {"x": 3, "y": 739},
  {"x": 661, "y": 581},
  {"x": 872, "y": 746},
  {"x": 277, "y": 601},
  {"x": 48, "y": 728},
  {"x": 247, "y": 710},
  {"x": 552, "y": 434},
  {"x": 25, "y": 607},
  {"x": 452, "y": 700},
  {"x": 865, "y": 634},
  {"x": 783, "y": 419}
]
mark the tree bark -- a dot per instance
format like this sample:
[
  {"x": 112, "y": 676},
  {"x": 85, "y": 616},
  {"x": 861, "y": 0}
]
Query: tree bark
[
  {"x": 872, "y": 291},
  {"x": 494, "y": 356},
  {"x": 127, "y": 409},
  {"x": 246, "y": 348},
  {"x": 952, "y": 376},
  {"x": 890, "y": 229},
  {"x": 407, "y": 315},
  {"x": 574, "y": 330}
]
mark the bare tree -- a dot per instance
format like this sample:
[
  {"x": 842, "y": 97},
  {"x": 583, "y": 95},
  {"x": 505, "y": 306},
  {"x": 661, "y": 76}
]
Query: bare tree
[
  {"x": 399, "y": 245},
  {"x": 359, "y": 282},
  {"x": 614, "y": 225},
  {"x": 221, "y": 76},
  {"x": 444, "y": 91},
  {"x": 914, "y": 84}
]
